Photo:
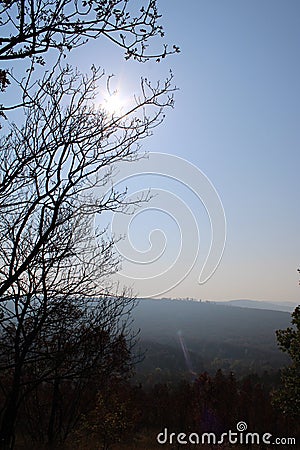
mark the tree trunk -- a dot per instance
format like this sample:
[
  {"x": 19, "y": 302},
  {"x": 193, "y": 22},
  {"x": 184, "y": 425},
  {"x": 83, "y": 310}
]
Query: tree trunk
[
  {"x": 53, "y": 414},
  {"x": 8, "y": 422},
  {"x": 10, "y": 412}
]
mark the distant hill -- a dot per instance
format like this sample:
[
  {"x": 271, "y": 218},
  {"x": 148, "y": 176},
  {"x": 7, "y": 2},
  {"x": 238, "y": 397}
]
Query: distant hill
[
  {"x": 278, "y": 306},
  {"x": 192, "y": 336}
]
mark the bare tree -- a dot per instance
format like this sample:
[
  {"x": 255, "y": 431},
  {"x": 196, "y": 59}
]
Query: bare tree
[
  {"x": 56, "y": 333},
  {"x": 55, "y": 270},
  {"x": 51, "y": 261},
  {"x": 63, "y": 363},
  {"x": 30, "y": 28},
  {"x": 50, "y": 166},
  {"x": 33, "y": 27}
]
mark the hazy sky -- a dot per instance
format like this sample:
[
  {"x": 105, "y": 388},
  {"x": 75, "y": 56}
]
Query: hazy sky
[{"x": 236, "y": 118}]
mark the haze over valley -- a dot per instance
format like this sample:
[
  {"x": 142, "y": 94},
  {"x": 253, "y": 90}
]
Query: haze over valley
[{"x": 185, "y": 337}]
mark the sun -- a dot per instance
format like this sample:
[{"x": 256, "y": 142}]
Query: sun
[{"x": 113, "y": 104}]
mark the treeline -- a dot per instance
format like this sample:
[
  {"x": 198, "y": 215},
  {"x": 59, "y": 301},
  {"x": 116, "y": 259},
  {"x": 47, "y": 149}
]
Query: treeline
[
  {"x": 126, "y": 416},
  {"x": 164, "y": 363}
]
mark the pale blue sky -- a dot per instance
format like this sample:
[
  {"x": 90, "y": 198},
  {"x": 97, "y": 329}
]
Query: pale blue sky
[
  {"x": 236, "y": 118},
  {"x": 239, "y": 113}
]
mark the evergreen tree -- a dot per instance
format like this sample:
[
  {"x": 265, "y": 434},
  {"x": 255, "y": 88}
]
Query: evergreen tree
[{"x": 287, "y": 399}]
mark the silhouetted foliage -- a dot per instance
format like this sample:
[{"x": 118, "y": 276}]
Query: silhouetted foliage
[
  {"x": 114, "y": 417},
  {"x": 287, "y": 398},
  {"x": 32, "y": 28},
  {"x": 80, "y": 346},
  {"x": 208, "y": 404}
]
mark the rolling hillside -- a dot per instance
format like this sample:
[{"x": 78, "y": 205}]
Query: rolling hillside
[{"x": 188, "y": 337}]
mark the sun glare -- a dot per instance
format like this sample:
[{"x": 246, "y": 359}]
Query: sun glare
[{"x": 113, "y": 104}]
